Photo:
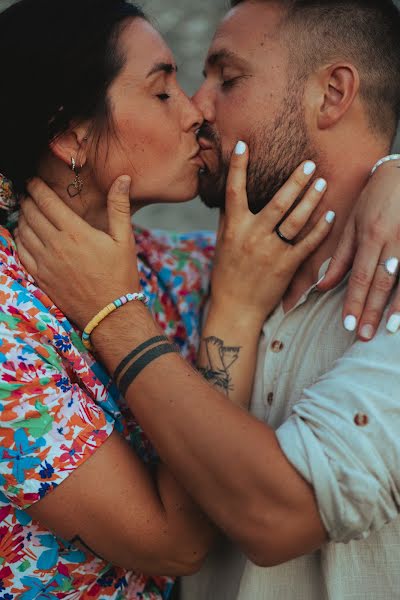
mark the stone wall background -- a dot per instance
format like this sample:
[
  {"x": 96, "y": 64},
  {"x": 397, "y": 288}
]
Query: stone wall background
[{"x": 188, "y": 26}]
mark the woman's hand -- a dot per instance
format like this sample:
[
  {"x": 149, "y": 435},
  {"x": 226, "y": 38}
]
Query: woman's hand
[
  {"x": 81, "y": 268},
  {"x": 371, "y": 236},
  {"x": 253, "y": 266}
]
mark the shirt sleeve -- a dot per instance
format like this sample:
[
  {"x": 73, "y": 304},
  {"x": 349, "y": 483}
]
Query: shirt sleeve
[
  {"x": 49, "y": 426},
  {"x": 343, "y": 437}
]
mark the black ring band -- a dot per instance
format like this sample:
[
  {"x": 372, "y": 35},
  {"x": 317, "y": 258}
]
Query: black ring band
[
  {"x": 136, "y": 351},
  {"x": 282, "y": 237},
  {"x": 142, "y": 362}
]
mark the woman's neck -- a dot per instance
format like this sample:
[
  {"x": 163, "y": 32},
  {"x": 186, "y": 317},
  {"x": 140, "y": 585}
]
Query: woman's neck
[{"x": 90, "y": 203}]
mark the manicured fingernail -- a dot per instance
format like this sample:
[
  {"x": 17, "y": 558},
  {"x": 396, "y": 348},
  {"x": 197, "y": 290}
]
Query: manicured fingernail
[
  {"x": 240, "y": 148},
  {"x": 309, "y": 167},
  {"x": 392, "y": 264},
  {"x": 124, "y": 185},
  {"x": 367, "y": 332},
  {"x": 320, "y": 185},
  {"x": 393, "y": 323},
  {"x": 321, "y": 280},
  {"x": 350, "y": 323},
  {"x": 330, "y": 216}
]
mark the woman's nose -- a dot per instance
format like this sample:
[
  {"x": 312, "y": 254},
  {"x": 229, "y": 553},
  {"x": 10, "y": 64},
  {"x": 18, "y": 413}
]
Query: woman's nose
[{"x": 194, "y": 117}]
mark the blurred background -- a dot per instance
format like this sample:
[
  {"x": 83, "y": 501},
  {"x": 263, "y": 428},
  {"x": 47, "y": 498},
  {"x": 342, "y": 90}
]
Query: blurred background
[{"x": 188, "y": 26}]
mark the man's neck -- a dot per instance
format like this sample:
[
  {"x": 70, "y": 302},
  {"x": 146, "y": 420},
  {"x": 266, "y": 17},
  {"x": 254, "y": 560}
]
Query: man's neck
[{"x": 345, "y": 184}]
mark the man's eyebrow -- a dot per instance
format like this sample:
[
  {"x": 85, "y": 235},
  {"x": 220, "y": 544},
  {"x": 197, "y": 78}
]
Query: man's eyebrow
[
  {"x": 160, "y": 67},
  {"x": 225, "y": 55}
]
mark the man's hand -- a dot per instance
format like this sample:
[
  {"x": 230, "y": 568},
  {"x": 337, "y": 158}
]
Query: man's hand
[
  {"x": 372, "y": 236},
  {"x": 81, "y": 268}
]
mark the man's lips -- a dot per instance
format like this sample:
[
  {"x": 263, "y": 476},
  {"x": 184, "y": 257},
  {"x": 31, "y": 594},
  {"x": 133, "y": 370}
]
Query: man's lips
[{"x": 205, "y": 144}]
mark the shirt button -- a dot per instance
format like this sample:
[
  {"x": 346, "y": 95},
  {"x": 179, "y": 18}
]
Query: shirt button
[
  {"x": 361, "y": 420},
  {"x": 270, "y": 398},
  {"x": 277, "y": 346}
]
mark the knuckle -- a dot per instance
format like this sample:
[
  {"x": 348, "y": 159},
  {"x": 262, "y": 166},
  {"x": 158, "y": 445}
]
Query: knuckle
[
  {"x": 360, "y": 278},
  {"x": 73, "y": 236},
  {"x": 280, "y": 204},
  {"x": 384, "y": 284},
  {"x": 298, "y": 180},
  {"x": 353, "y": 306},
  {"x": 376, "y": 230},
  {"x": 232, "y": 190}
]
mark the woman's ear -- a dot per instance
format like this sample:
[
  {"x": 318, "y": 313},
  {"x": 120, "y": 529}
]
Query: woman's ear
[
  {"x": 338, "y": 85},
  {"x": 71, "y": 144}
]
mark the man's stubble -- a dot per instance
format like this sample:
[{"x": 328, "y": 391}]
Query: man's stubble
[{"x": 276, "y": 150}]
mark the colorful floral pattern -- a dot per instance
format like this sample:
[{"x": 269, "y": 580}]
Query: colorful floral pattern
[{"x": 58, "y": 405}]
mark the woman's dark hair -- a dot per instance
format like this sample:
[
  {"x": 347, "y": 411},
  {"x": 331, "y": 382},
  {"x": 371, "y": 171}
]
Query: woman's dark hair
[{"x": 57, "y": 61}]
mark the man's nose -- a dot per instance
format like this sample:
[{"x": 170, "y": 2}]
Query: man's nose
[{"x": 204, "y": 101}]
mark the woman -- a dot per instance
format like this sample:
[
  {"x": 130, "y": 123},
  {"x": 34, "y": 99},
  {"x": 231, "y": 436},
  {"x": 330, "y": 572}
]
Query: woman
[{"x": 94, "y": 106}]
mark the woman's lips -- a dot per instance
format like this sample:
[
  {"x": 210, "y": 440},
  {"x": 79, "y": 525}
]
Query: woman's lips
[{"x": 198, "y": 159}]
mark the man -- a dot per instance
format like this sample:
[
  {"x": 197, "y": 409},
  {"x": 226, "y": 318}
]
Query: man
[
  {"x": 319, "y": 466},
  {"x": 284, "y": 77}
]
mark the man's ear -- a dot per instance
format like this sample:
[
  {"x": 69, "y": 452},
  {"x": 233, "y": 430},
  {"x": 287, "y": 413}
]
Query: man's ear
[
  {"x": 338, "y": 85},
  {"x": 71, "y": 144}
]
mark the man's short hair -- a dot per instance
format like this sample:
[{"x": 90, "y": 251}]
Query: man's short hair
[{"x": 364, "y": 32}]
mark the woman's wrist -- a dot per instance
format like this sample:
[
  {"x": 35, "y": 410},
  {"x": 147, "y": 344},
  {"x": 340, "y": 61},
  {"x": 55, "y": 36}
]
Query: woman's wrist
[{"x": 234, "y": 314}]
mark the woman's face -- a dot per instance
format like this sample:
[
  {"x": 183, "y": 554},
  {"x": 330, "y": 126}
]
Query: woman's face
[{"x": 154, "y": 139}]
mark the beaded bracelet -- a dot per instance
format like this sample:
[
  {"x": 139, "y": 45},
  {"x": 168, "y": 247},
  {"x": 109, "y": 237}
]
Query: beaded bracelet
[
  {"x": 384, "y": 160},
  {"x": 110, "y": 308}
]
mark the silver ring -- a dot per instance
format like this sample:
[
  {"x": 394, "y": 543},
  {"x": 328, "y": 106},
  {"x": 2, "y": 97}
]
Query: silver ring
[{"x": 391, "y": 266}]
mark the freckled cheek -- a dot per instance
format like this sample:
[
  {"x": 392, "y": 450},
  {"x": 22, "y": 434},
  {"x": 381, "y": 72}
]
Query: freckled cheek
[{"x": 150, "y": 143}]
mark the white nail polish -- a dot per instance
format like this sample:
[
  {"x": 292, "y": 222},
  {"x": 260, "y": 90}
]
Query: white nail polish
[
  {"x": 392, "y": 264},
  {"x": 320, "y": 185},
  {"x": 393, "y": 323},
  {"x": 309, "y": 167},
  {"x": 320, "y": 280},
  {"x": 330, "y": 216},
  {"x": 350, "y": 323},
  {"x": 240, "y": 148}
]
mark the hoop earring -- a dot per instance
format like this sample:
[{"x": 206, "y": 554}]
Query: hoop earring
[{"x": 76, "y": 186}]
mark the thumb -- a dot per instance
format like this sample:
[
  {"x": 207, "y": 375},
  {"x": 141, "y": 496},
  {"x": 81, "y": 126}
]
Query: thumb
[
  {"x": 119, "y": 209},
  {"x": 342, "y": 260}
]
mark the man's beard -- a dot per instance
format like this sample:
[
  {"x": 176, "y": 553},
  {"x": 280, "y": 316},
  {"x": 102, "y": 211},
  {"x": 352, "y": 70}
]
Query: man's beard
[{"x": 275, "y": 152}]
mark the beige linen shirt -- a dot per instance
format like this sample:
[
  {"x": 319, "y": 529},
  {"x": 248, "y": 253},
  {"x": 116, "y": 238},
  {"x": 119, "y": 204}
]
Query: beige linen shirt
[{"x": 335, "y": 405}]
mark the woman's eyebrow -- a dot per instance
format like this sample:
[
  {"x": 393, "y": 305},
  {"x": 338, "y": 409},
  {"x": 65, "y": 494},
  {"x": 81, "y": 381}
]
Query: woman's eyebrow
[{"x": 168, "y": 68}]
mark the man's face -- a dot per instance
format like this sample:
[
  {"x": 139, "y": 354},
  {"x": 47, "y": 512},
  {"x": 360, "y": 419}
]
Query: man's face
[{"x": 248, "y": 94}]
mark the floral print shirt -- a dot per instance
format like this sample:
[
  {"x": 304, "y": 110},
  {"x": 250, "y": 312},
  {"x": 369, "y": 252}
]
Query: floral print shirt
[{"x": 58, "y": 405}]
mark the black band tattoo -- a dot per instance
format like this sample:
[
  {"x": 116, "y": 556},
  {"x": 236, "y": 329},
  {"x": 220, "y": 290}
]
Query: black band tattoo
[
  {"x": 220, "y": 359},
  {"x": 137, "y": 367},
  {"x": 125, "y": 362}
]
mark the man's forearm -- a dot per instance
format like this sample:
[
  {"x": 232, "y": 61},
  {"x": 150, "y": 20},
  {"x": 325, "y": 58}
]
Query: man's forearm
[{"x": 228, "y": 461}]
